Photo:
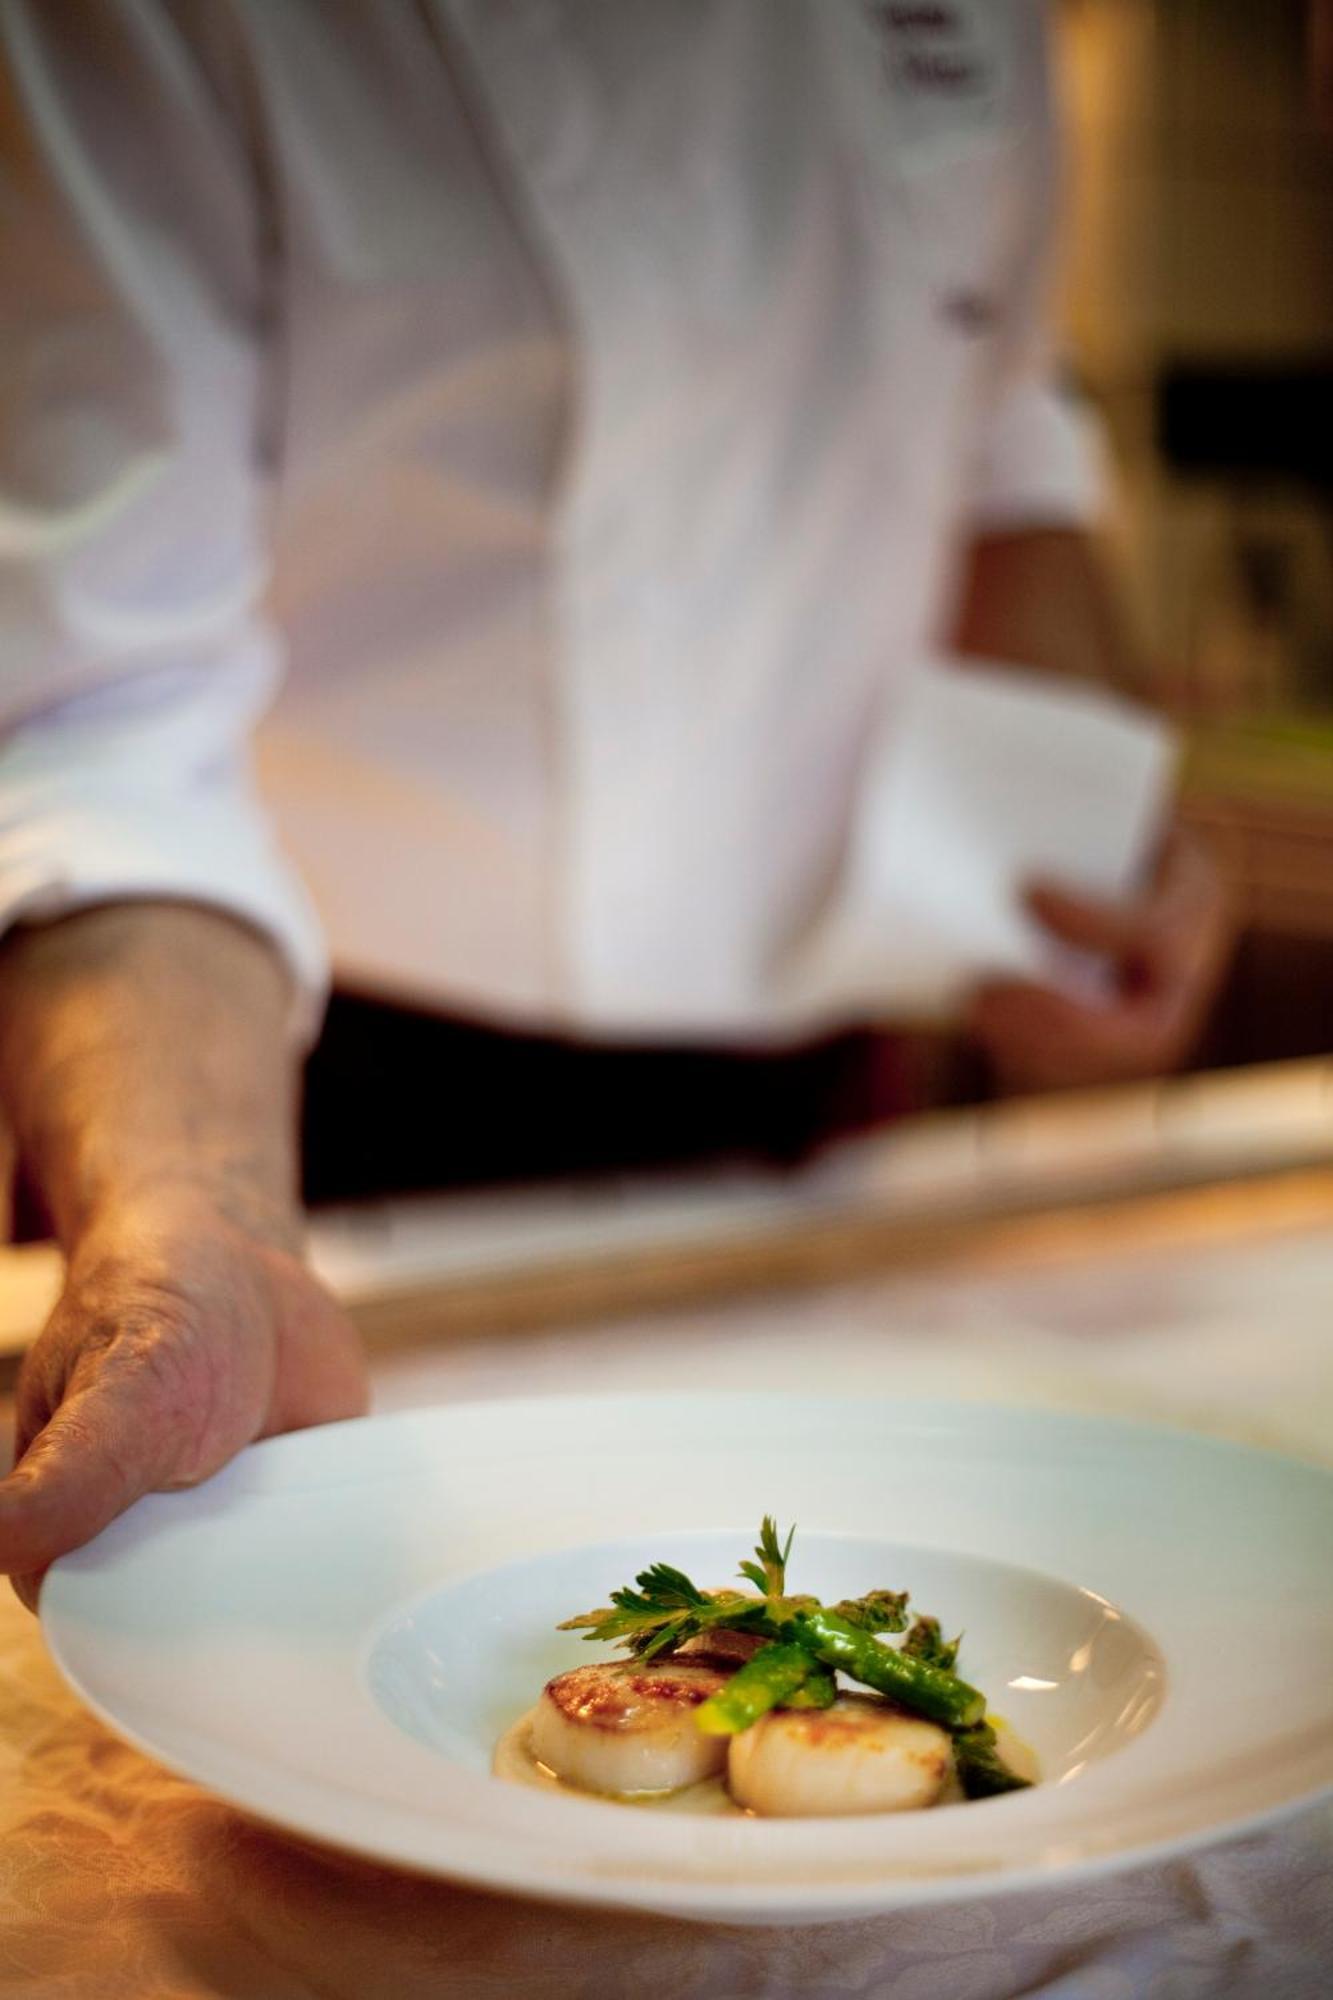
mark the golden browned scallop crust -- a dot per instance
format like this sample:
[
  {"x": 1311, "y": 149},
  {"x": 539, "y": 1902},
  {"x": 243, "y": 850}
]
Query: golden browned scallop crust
[
  {"x": 628, "y": 1726},
  {"x": 628, "y": 1694}
]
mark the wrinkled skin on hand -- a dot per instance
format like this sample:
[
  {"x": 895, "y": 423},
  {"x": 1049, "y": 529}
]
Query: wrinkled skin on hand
[
  {"x": 1168, "y": 951},
  {"x": 179, "y": 1339}
]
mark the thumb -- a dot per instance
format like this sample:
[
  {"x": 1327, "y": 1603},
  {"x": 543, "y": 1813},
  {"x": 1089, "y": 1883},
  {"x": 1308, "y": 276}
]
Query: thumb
[{"x": 95, "y": 1457}]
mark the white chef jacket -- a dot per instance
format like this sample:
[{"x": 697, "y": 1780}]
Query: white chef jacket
[{"x": 555, "y": 418}]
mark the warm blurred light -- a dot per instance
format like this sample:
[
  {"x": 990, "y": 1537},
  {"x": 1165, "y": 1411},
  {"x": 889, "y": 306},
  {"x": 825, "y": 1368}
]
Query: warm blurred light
[{"x": 1321, "y": 64}]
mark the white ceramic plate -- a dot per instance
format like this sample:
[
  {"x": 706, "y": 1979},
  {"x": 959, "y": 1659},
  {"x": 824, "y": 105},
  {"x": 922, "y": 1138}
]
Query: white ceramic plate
[{"x": 333, "y": 1632}]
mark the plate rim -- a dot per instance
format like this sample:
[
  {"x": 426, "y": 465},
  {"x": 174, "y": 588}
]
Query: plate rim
[
  {"x": 836, "y": 1900},
  {"x": 693, "y": 1898}
]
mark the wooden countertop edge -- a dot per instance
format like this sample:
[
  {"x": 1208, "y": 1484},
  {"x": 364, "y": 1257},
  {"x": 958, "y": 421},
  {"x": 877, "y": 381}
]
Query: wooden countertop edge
[
  {"x": 840, "y": 1248},
  {"x": 837, "y": 1248},
  {"x": 1194, "y": 1160}
]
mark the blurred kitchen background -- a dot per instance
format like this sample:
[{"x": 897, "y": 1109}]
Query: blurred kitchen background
[
  {"x": 1197, "y": 298},
  {"x": 1198, "y": 302}
]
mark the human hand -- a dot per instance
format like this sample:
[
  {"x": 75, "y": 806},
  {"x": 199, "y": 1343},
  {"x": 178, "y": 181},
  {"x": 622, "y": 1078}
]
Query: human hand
[
  {"x": 179, "y": 1338},
  {"x": 1168, "y": 950}
]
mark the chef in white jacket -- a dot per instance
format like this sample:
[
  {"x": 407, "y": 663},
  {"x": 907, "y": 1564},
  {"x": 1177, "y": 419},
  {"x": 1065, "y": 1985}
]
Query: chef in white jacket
[{"x": 559, "y": 431}]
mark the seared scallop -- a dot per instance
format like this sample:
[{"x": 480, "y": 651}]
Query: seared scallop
[
  {"x": 629, "y": 1727},
  {"x": 721, "y": 1647},
  {"x": 859, "y": 1756}
]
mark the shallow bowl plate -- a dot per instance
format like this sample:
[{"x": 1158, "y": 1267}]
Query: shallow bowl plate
[{"x": 333, "y": 1632}]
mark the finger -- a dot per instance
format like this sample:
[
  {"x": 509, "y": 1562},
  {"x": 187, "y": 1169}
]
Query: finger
[
  {"x": 1027, "y": 1020},
  {"x": 99, "y": 1453},
  {"x": 27, "y": 1588},
  {"x": 1050, "y": 1037},
  {"x": 1187, "y": 895},
  {"x": 33, "y": 1403},
  {"x": 1092, "y": 923},
  {"x": 1193, "y": 894},
  {"x": 321, "y": 1375},
  {"x": 1119, "y": 926},
  {"x": 1035, "y": 1014}
]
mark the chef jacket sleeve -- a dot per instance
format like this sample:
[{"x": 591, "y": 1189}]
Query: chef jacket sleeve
[
  {"x": 134, "y": 657},
  {"x": 1040, "y": 460}
]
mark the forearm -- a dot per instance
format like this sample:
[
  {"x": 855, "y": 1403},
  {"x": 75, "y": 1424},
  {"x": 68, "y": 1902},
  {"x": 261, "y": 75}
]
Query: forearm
[
  {"x": 1045, "y": 598},
  {"x": 144, "y": 1052}
]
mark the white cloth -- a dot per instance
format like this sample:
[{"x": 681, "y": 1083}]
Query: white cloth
[
  {"x": 988, "y": 781},
  {"x": 588, "y": 398}
]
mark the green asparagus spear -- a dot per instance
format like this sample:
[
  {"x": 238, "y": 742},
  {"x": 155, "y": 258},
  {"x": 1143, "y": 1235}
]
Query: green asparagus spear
[
  {"x": 776, "y": 1673},
  {"x": 926, "y": 1642},
  {"x": 926, "y": 1690},
  {"x": 820, "y": 1691},
  {"x": 982, "y": 1772},
  {"x": 810, "y": 1642},
  {"x": 877, "y": 1611}
]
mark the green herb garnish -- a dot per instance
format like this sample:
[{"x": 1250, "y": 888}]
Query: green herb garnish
[
  {"x": 769, "y": 1573},
  {"x": 810, "y": 1643}
]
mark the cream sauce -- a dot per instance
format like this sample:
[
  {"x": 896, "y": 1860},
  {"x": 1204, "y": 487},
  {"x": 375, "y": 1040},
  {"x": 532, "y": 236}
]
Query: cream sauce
[{"x": 515, "y": 1759}]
